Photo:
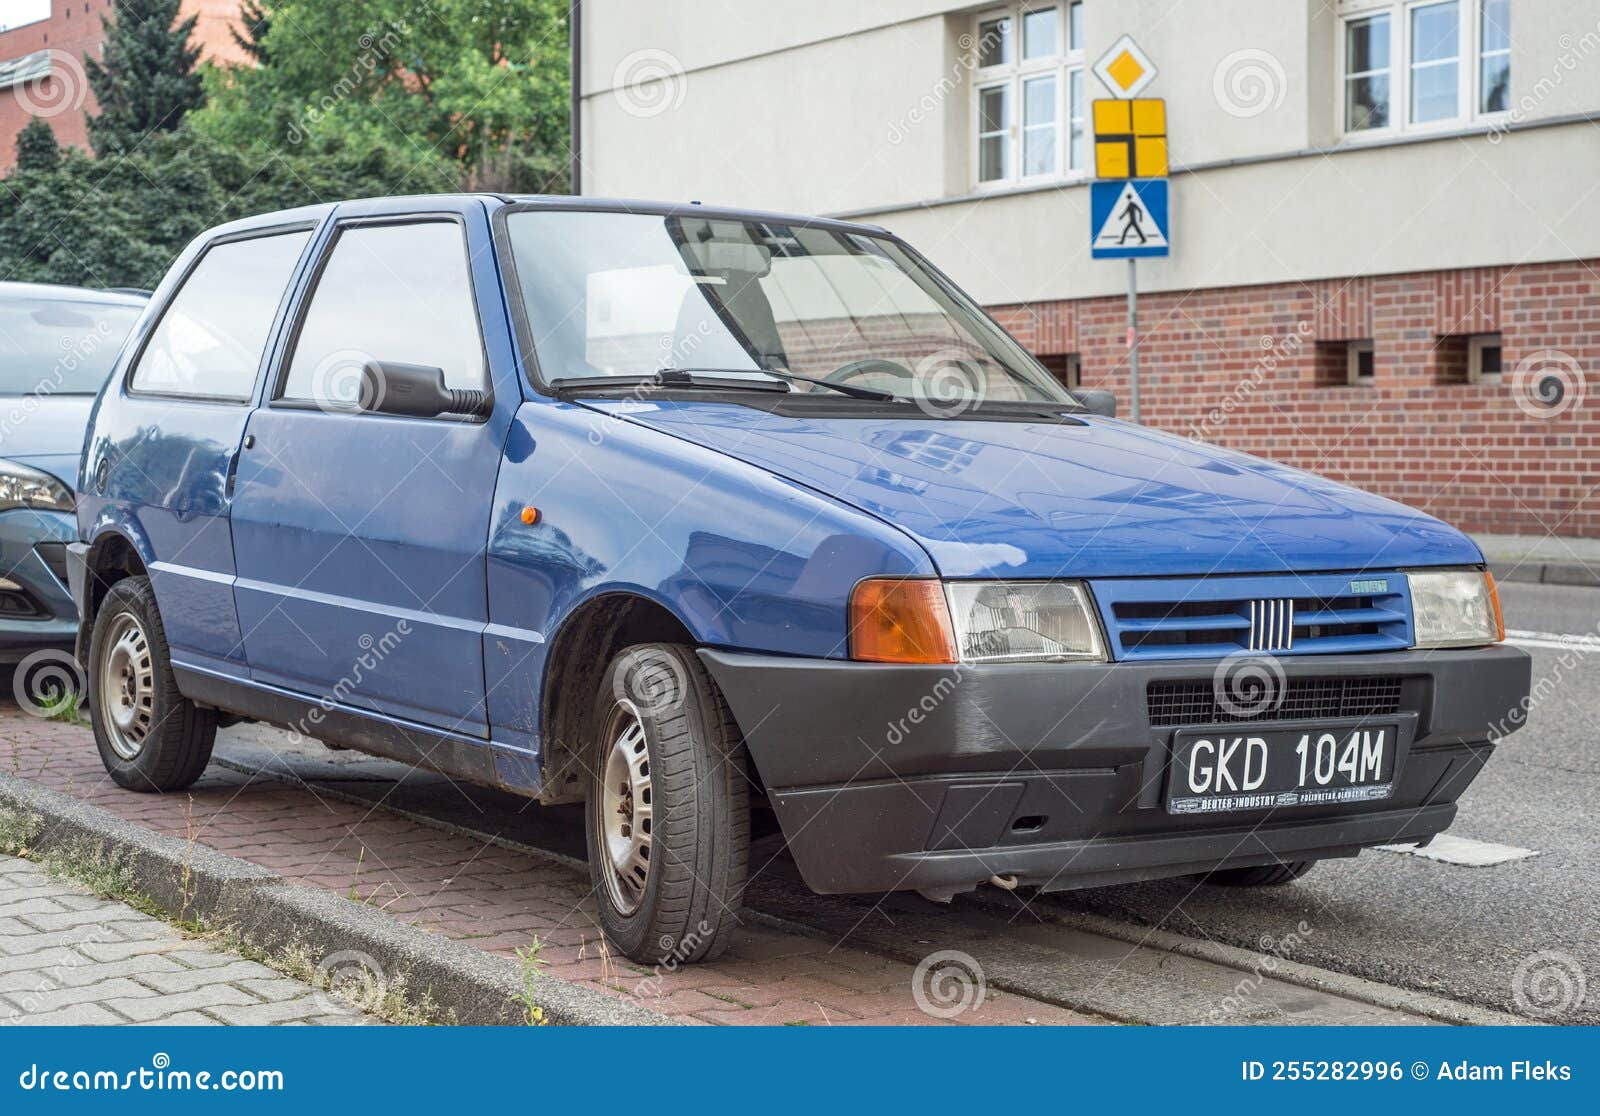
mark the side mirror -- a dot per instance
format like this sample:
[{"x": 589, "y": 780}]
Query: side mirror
[
  {"x": 416, "y": 390},
  {"x": 1098, "y": 402}
]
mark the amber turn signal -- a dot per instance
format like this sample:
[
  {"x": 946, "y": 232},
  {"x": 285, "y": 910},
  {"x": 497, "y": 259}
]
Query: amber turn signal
[
  {"x": 530, "y": 515},
  {"x": 1494, "y": 602},
  {"x": 900, "y": 621}
]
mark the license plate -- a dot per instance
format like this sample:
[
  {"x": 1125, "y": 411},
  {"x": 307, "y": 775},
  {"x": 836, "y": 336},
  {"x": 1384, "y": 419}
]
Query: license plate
[{"x": 1235, "y": 768}]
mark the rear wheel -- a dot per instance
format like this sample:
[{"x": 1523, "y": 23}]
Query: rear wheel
[
  {"x": 151, "y": 737},
  {"x": 668, "y": 808},
  {"x": 1263, "y": 875}
]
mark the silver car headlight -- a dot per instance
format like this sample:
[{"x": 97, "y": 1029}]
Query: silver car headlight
[
  {"x": 1023, "y": 621},
  {"x": 24, "y": 487},
  {"x": 1455, "y": 608}
]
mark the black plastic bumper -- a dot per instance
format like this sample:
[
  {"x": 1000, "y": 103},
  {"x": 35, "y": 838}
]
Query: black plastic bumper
[{"x": 937, "y": 779}]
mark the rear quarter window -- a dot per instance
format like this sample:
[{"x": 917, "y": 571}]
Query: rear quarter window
[{"x": 209, "y": 341}]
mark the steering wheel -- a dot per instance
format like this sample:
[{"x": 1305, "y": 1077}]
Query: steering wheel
[{"x": 858, "y": 368}]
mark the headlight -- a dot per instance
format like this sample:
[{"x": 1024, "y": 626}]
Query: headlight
[
  {"x": 1023, "y": 621},
  {"x": 1455, "y": 608},
  {"x": 22, "y": 487}
]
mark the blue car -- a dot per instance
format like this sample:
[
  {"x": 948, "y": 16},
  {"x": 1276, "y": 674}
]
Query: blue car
[
  {"x": 57, "y": 346},
  {"x": 689, "y": 513}
]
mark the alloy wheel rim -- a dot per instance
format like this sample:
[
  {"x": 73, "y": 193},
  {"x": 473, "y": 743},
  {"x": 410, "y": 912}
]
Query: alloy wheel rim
[
  {"x": 625, "y": 813},
  {"x": 127, "y": 687}
]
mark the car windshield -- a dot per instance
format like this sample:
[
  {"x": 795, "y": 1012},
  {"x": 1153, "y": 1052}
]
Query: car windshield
[
  {"x": 629, "y": 295},
  {"x": 60, "y": 346}
]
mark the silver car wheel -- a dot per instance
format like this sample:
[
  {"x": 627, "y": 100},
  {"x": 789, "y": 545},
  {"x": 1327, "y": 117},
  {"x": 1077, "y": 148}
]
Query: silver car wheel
[
  {"x": 127, "y": 687},
  {"x": 624, "y": 815}
]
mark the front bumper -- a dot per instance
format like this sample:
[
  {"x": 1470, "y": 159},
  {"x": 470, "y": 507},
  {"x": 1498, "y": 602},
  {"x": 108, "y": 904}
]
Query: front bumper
[
  {"x": 36, "y": 609},
  {"x": 938, "y": 778}
]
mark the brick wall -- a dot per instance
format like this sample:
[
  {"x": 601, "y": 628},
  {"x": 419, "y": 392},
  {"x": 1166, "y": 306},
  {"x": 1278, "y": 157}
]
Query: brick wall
[{"x": 1260, "y": 369}]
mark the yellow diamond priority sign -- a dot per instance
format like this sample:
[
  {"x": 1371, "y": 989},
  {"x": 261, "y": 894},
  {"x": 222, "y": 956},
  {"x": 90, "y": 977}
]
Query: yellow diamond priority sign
[{"x": 1125, "y": 69}]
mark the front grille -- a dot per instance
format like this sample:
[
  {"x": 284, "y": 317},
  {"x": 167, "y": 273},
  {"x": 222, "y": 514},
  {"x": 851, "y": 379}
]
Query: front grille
[
  {"x": 1196, "y": 702},
  {"x": 1295, "y": 614}
]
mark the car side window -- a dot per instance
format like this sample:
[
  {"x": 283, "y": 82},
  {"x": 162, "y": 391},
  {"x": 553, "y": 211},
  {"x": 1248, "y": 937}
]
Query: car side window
[
  {"x": 392, "y": 294},
  {"x": 209, "y": 340}
]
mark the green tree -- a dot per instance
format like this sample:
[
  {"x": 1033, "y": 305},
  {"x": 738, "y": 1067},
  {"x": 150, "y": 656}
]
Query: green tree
[
  {"x": 118, "y": 221},
  {"x": 147, "y": 81},
  {"x": 37, "y": 146},
  {"x": 480, "y": 83},
  {"x": 251, "y": 34}
]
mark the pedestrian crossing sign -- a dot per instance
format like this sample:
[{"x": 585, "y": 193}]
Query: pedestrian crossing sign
[{"x": 1128, "y": 219}]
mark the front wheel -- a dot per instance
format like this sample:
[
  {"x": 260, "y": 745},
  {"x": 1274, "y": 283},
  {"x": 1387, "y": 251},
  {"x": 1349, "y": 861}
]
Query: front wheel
[
  {"x": 668, "y": 808},
  {"x": 151, "y": 737}
]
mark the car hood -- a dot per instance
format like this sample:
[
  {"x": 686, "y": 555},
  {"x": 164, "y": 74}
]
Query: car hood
[
  {"x": 46, "y": 432},
  {"x": 1090, "y": 498}
]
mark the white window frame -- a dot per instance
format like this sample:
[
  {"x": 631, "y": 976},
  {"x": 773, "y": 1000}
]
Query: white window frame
[
  {"x": 1067, "y": 59},
  {"x": 1469, "y": 63}
]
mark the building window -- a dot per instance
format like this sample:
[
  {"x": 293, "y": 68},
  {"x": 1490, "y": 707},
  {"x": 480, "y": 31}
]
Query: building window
[
  {"x": 1358, "y": 363},
  {"x": 1423, "y": 64},
  {"x": 1483, "y": 358},
  {"x": 1340, "y": 363},
  {"x": 1065, "y": 367},
  {"x": 1030, "y": 106}
]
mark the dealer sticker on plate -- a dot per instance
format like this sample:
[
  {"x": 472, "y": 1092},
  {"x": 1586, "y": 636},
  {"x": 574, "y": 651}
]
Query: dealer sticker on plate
[{"x": 1234, "y": 768}]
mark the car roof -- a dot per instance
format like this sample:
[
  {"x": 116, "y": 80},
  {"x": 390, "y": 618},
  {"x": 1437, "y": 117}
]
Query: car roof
[
  {"x": 316, "y": 213},
  {"x": 10, "y": 291}
]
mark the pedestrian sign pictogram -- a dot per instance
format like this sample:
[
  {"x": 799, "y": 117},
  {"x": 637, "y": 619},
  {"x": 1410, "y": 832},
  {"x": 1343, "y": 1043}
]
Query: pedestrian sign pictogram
[
  {"x": 1130, "y": 138},
  {"x": 1130, "y": 219},
  {"x": 1125, "y": 69}
]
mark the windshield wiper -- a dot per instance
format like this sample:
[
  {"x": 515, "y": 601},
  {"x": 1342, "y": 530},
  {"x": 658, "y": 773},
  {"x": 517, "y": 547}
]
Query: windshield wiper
[{"x": 684, "y": 375}]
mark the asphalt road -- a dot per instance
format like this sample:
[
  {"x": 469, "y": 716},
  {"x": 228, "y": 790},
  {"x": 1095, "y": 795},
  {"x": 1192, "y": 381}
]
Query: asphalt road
[{"x": 1456, "y": 931}]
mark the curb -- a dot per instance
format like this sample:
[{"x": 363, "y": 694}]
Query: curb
[
  {"x": 1544, "y": 573},
  {"x": 188, "y": 881}
]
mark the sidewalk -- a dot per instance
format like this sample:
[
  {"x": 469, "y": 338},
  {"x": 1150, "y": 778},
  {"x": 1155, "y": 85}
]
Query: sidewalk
[
  {"x": 69, "y": 958},
  {"x": 492, "y": 898},
  {"x": 1551, "y": 560}
]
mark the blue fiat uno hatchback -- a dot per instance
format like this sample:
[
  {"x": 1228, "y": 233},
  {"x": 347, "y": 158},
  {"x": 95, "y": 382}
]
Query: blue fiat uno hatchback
[{"x": 686, "y": 513}]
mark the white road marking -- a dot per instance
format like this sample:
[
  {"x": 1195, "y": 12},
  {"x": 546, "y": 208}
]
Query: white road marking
[
  {"x": 1464, "y": 852},
  {"x": 1556, "y": 641}
]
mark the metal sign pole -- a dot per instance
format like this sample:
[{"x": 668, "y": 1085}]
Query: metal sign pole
[{"x": 1133, "y": 338}]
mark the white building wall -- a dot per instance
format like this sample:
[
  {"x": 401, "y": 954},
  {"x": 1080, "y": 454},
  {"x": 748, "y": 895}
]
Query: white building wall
[{"x": 866, "y": 109}]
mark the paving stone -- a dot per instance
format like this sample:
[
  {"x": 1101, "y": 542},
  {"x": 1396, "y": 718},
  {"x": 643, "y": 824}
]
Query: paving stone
[
  {"x": 78, "y": 1015},
  {"x": 187, "y": 980},
  {"x": 144, "y": 1009}
]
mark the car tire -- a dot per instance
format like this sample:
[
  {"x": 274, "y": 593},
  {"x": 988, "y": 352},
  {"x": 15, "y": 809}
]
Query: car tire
[
  {"x": 668, "y": 808},
  {"x": 1263, "y": 875},
  {"x": 151, "y": 738}
]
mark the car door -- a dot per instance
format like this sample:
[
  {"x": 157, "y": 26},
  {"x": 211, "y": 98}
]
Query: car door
[
  {"x": 169, "y": 453},
  {"x": 360, "y": 536}
]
